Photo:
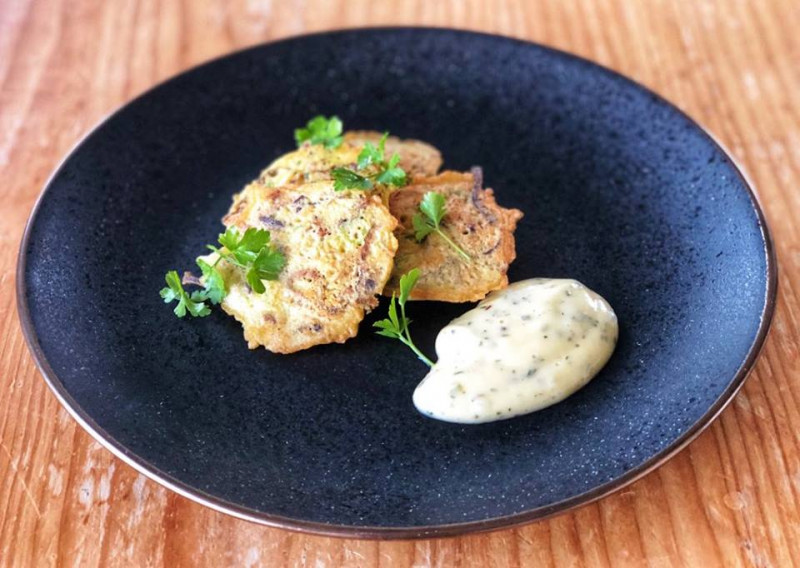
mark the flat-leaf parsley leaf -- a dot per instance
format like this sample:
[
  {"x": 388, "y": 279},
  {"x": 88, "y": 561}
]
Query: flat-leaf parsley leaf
[
  {"x": 371, "y": 168},
  {"x": 195, "y": 304},
  {"x": 250, "y": 251},
  {"x": 396, "y": 325},
  {"x": 321, "y": 130},
  {"x": 429, "y": 220},
  {"x": 214, "y": 284},
  {"x": 348, "y": 179}
]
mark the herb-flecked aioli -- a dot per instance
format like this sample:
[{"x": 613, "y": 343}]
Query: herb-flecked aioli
[{"x": 520, "y": 350}]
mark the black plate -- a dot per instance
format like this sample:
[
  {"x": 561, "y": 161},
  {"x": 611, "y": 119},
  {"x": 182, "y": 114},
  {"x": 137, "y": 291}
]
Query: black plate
[{"x": 620, "y": 190}]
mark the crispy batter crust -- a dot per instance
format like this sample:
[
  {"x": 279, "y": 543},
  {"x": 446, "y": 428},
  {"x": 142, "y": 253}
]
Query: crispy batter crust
[
  {"x": 339, "y": 249},
  {"x": 474, "y": 221},
  {"x": 309, "y": 163}
]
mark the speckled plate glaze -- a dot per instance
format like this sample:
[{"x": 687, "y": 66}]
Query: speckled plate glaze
[{"x": 620, "y": 190}]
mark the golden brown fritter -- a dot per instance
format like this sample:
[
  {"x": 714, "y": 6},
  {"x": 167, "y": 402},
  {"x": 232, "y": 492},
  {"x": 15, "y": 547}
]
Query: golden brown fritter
[
  {"x": 314, "y": 162},
  {"x": 473, "y": 220},
  {"x": 339, "y": 249},
  {"x": 417, "y": 158}
]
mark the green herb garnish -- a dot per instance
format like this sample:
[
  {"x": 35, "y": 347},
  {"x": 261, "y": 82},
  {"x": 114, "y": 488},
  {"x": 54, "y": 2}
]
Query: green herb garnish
[
  {"x": 374, "y": 169},
  {"x": 348, "y": 179},
  {"x": 397, "y": 327},
  {"x": 321, "y": 130},
  {"x": 250, "y": 251},
  {"x": 429, "y": 220},
  {"x": 214, "y": 288},
  {"x": 194, "y": 304}
]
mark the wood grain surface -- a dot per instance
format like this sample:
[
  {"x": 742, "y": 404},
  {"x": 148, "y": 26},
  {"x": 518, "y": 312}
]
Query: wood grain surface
[{"x": 731, "y": 499}]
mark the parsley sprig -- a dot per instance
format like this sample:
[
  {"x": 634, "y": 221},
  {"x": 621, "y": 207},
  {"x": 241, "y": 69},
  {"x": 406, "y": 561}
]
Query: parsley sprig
[
  {"x": 214, "y": 287},
  {"x": 429, "y": 220},
  {"x": 194, "y": 304},
  {"x": 396, "y": 325},
  {"x": 251, "y": 252},
  {"x": 371, "y": 168},
  {"x": 321, "y": 130}
]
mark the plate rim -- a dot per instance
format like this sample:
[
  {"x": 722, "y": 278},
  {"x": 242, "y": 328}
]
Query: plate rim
[{"x": 400, "y": 532}]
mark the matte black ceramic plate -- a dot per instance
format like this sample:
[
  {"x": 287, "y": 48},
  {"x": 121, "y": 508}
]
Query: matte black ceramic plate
[{"x": 619, "y": 189}]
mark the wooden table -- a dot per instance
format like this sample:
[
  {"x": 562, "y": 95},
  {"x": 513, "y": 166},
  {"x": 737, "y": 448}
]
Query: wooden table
[{"x": 732, "y": 498}]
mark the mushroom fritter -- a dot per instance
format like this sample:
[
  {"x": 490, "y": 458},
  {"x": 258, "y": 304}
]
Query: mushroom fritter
[
  {"x": 339, "y": 249},
  {"x": 314, "y": 162},
  {"x": 473, "y": 220}
]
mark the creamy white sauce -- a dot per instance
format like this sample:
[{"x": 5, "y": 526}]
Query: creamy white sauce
[{"x": 520, "y": 350}]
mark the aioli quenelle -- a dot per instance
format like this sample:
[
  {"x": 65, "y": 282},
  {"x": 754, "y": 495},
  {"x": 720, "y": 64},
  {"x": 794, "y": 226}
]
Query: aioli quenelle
[{"x": 520, "y": 350}]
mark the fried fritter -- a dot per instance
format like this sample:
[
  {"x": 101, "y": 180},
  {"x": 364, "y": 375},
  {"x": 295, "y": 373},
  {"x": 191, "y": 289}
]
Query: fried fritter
[
  {"x": 339, "y": 249},
  {"x": 473, "y": 220},
  {"x": 314, "y": 162}
]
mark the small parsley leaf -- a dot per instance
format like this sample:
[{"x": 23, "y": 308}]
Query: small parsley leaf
[
  {"x": 407, "y": 283},
  {"x": 432, "y": 205},
  {"x": 321, "y": 130},
  {"x": 422, "y": 227},
  {"x": 254, "y": 240},
  {"x": 255, "y": 282},
  {"x": 244, "y": 247},
  {"x": 396, "y": 325},
  {"x": 374, "y": 169},
  {"x": 252, "y": 252},
  {"x": 214, "y": 289},
  {"x": 195, "y": 304},
  {"x": 392, "y": 175},
  {"x": 348, "y": 179},
  {"x": 429, "y": 220},
  {"x": 370, "y": 154},
  {"x": 266, "y": 266}
]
